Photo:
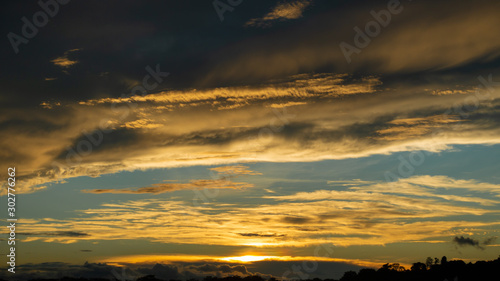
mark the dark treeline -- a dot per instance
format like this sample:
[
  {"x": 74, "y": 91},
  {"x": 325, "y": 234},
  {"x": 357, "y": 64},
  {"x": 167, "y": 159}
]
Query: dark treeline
[{"x": 430, "y": 270}]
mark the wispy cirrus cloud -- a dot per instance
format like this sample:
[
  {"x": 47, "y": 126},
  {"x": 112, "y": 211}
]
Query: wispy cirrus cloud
[
  {"x": 222, "y": 180},
  {"x": 235, "y": 170},
  {"x": 296, "y": 90},
  {"x": 282, "y": 11},
  {"x": 169, "y": 187},
  {"x": 364, "y": 214},
  {"x": 326, "y": 117}
]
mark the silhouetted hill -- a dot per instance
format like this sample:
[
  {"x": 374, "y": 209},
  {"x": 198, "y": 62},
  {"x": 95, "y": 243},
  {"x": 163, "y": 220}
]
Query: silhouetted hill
[{"x": 430, "y": 270}]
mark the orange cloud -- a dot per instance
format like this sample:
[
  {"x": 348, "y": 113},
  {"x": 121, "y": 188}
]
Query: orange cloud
[
  {"x": 64, "y": 61},
  {"x": 364, "y": 214},
  {"x": 223, "y": 181},
  {"x": 282, "y": 11},
  {"x": 169, "y": 187},
  {"x": 138, "y": 259},
  {"x": 339, "y": 117}
]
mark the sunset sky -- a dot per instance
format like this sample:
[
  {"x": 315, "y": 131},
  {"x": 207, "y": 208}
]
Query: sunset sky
[{"x": 293, "y": 139}]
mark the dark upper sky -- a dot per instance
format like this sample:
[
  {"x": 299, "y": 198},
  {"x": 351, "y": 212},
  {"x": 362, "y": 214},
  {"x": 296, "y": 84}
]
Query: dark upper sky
[{"x": 116, "y": 40}]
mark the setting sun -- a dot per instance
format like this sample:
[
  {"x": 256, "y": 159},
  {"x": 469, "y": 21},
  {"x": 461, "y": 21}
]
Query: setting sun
[{"x": 248, "y": 258}]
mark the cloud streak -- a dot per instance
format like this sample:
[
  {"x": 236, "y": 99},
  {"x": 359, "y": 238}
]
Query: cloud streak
[
  {"x": 64, "y": 61},
  {"x": 282, "y": 11},
  {"x": 223, "y": 180},
  {"x": 366, "y": 214},
  {"x": 322, "y": 116}
]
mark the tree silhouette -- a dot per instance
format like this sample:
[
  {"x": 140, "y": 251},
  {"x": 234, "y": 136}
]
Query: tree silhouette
[
  {"x": 418, "y": 266},
  {"x": 148, "y": 278},
  {"x": 444, "y": 260},
  {"x": 349, "y": 276},
  {"x": 428, "y": 262}
]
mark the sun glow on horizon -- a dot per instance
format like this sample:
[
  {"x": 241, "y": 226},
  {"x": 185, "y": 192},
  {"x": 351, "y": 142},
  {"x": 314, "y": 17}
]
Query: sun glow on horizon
[{"x": 249, "y": 258}]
